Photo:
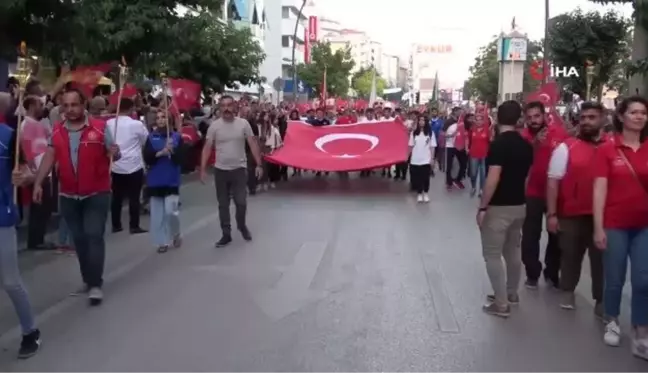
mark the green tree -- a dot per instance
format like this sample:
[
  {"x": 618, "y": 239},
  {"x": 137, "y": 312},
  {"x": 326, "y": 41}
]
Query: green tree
[
  {"x": 637, "y": 66},
  {"x": 484, "y": 73},
  {"x": 577, "y": 37},
  {"x": 151, "y": 35},
  {"x": 361, "y": 82},
  {"x": 338, "y": 68}
]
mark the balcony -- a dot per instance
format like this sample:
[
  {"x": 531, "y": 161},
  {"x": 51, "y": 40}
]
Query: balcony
[{"x": 286, "y": 55}]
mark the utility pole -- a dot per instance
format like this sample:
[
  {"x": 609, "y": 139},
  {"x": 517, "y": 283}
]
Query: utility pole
[
  {"x": 545, "y": 46},
  {"x": 294, "y": 67}
]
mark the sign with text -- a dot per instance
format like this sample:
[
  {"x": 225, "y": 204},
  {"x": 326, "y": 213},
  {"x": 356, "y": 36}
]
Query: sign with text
[
  {"x": 312, "y": 29},
  {"x": 511, "y": 49},
  {"x": 538, "y": 72},
  {"x": 427, "y": 49}
]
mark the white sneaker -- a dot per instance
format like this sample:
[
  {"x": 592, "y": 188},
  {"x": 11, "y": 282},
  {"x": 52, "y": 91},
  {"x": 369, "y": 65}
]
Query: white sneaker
[
  {"x": 419, "y": 198},
  {"x": 95, "y": 296},
  {"x": 273, "y": 185},
  {"x": 265, "y": 187},
  {"x": 640, "y": 347},
  {"x": 612, "y": 336},
  {"x": 426, "y": 198}
]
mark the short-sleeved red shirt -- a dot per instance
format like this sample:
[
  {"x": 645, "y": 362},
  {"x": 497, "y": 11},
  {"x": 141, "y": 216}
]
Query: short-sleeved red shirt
[
  {"x": 479, "y": 141},
  {"x": 626, "y": 204}
]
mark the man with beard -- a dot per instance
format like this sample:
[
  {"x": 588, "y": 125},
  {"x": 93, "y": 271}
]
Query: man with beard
[
  {"x": 82, "y": 148},
  {"x": 228, "y": 136},
  {"x": 570, "y": 191},
  {"x": 544, "y": 139}
]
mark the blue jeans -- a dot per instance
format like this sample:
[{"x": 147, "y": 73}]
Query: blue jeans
[
  {"x": 478, "y": 169},
  {"x": 621, "y": 245},
  {"x": 165, "y": 219},
  {"x": 64, "y": 238},
  {"x": 86, "y": 219},
  {"x": 10, "y": 278}
]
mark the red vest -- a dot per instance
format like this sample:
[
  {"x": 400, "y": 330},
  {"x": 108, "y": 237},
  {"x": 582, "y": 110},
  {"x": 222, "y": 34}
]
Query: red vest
[
  {"x": 93, "y": 166},
  {"x": 576, "y": 189}
]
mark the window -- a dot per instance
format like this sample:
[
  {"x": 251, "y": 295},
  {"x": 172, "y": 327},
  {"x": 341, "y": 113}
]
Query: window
[
  {"x": 285, "y": 12},
  {"x": 285, "y": 41}
]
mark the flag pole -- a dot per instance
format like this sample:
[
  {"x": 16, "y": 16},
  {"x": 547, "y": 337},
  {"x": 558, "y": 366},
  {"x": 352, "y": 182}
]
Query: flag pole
[
  {"x": 123, "y": 75},
  {"x": 23, "y": 73}
]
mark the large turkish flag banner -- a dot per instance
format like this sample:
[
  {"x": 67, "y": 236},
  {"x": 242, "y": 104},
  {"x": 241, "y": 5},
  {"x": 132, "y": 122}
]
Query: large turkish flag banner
[{"x": 342, "y": 147}]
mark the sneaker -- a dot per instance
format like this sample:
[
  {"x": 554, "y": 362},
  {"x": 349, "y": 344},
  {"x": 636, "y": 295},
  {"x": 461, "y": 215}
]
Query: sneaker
[
  {"x": 224, "y": 241},
  {"x": 495, "y": 310},
  {"x": 553, "y": 284},
  {"x": 177, "y": 241},
  {"x": 513, "y": 299},
  {"x": 568, "y": 301},
  {"x": 30, "y": 345},
  {"x": 419, "y": 198},
  {"x": 245, "y": 233},
  {"x": 612, "y": 336},
  {"x": 640, "y": 347},
  {"x": 459, "y": 185},
  {"x": 273, "y": 185},
  {"x": 137, "y": 230},
  {"x": 95, "y": 296},
  {"x": 426, "y": 198},
  {"x": 473, "y": 191},
  {"x": 531, "y": 284},
  {"x": 83, "y": 290}
]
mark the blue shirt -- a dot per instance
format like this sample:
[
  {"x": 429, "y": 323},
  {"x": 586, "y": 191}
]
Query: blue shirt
[{"x": 436, "y": 125}]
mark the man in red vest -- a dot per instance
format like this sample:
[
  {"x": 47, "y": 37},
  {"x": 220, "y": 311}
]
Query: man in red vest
[
  {"x": 570, "y": 189},
  {"x": 82, "y": 149},
  {"x": 544, "y": 137}
]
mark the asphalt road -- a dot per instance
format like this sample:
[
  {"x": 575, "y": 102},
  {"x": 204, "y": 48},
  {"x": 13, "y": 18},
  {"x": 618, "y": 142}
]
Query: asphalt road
[{"x": 341, "y": 276}]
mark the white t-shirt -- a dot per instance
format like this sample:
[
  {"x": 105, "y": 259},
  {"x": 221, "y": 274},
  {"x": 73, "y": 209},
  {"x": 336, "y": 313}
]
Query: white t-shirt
[
  {"x": 273, "y": 141},
  {"x": 450, "y": 136},
  {"x": 131, "y": 137},
  {"x": 558, "y": 162},
  {"x": 365, "y": 120},
  {"x": 422, "y": 148}
]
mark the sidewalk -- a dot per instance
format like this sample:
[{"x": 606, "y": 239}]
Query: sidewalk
[{"x": 50, "y": 277}]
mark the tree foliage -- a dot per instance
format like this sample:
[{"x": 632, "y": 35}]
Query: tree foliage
[
  {"x": 602, "y": 39},
  {"x": 338, "y": 66},
  {"x": 152, "y": 35},
  {"x": 361, "y": 82},
  {"x": 484, "y": 73}
]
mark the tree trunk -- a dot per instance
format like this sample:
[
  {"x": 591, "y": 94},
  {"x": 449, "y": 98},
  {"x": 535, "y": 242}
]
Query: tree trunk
[{"x": 639, "y": 52}]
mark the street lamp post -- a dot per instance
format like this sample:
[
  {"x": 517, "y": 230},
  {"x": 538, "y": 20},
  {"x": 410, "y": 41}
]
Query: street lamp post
[
  {"x": 294, "y": 68},
  {"x": 589, "y": 76},
  {"x": 545, "y": 46}
]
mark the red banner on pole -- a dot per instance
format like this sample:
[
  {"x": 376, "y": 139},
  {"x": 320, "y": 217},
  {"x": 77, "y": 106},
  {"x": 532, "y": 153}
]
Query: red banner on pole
[
  {"x": 343, "y": 147},
  {"x": 307, "y": 47},
  {"x": 312, "y": 29}
]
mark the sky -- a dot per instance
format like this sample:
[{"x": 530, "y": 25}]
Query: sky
[{"x": 465, "y": 24}]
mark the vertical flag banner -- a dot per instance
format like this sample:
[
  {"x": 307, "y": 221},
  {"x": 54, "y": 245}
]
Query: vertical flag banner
[
  {"x": 312, "y": 29},
  {"x": 307, "y": 47}
]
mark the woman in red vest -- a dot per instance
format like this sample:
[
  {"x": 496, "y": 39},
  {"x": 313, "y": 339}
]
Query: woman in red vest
[
  {"x": 82, "y": 148},
  {"x": 621, "y": 220}
]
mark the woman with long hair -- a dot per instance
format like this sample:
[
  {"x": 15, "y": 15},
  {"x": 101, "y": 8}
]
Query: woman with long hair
[
  {"x": 163, "y": 157},
  {"x": 620, "y": 206},
  {"x": 422, "y": 144}
]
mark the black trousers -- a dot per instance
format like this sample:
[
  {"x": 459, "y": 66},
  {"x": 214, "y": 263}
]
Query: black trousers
[
  {"x": 462, "y": 158},
  {"x": 39, "y": 216},
  {"x": 420, "y": 176},
  {"x": 126, "y": 186},
  {"x": 231, "y": 184},
  {"x": 252, "y": 181},
  {"x": 531, "y": 233},
  {"x": 274, "y": 172},
  {"x": 283, "y": 171},
  {"x": 401, "y": 170}
]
